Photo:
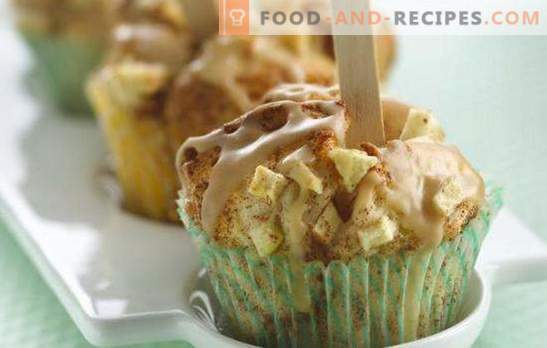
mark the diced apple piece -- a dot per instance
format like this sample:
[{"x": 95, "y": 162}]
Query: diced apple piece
[
  {"x": 305, "y": 178},
  {"x": 130, "y": 82},
  {"x": 267, "y": 184},
  {"x": 381, "y": 232},
  {"x": 422, "y": 123},
  {"x": 267, "y": 237},
  {"x": 449, "y": 197},
  {"x": 352, "y": 165}
]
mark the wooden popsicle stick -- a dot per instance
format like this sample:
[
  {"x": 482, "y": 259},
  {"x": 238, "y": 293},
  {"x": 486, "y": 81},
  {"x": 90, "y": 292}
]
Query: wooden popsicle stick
[
  {"x": 202, "y": 17},
  {"x": 358, "y": 76}
]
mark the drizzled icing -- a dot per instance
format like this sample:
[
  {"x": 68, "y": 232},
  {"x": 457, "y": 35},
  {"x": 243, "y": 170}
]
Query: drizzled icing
[
  {"x": 249, "y": 146},
  {"x": 153, "y": 43},
  {"x": 296, "y": 231},
  {"x": 224, "y": 59},
  {"x": 417, "y": 169},
  {"x": 293, "y": 211},
  {"x": 395, "y": 111}
]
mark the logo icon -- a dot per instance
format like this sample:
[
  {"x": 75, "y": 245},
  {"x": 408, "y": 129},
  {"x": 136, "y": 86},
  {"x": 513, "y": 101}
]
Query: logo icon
[
  {"x": 237, "y": 15},
  {"x": 234, "y": 17}
]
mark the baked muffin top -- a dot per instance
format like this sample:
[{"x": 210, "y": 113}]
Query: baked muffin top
[{"x": 281, "y": 180}]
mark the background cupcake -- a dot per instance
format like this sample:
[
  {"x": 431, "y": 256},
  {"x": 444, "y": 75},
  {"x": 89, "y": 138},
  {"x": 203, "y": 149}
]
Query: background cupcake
[
  {"x": 67, "y": 39},
  {"x": 309, "y": 243},
  {"x": 151, "y": 43}
]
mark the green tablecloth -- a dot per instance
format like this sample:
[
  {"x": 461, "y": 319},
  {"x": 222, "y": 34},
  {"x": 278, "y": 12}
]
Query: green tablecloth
[{"x": 491, "y": 95}]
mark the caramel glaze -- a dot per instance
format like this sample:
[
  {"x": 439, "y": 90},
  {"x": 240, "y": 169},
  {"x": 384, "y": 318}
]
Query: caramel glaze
[
  {"x": 225, "y": 58},
  {"x": 416, "y": 169}
]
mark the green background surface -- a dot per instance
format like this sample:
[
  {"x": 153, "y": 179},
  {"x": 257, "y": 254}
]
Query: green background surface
[{"x": 490, "y": 93}]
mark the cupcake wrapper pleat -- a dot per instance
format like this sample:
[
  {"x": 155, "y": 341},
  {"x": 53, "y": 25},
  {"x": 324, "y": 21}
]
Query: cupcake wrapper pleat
[{"x": 367, "y": 302}]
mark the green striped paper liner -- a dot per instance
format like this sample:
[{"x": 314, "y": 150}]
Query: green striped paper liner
[
  {"x": 62, "y": 66},
  {"x": 367, "y": 302}
]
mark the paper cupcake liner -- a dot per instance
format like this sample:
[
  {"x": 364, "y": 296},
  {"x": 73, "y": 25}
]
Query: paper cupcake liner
[
  {"x": 367, "y": 302},
  {"x": 63, "y": 65}
]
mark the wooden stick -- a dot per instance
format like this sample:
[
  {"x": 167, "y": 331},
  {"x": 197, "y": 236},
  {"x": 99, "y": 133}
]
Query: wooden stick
[
  {"x": 358, "y": 77},
  {"x": 202, "y": 16}
]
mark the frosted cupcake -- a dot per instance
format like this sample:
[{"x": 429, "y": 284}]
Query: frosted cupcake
[
  {"x": 67, "y": 39},
  {"x": 309, "y": 243},
  {"x": 151, "y": 43}
]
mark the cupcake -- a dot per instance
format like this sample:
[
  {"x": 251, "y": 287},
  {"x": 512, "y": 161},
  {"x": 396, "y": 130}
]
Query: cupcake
[
  {"x": 67, "y": 39},
  {"x": 149, "y": 106},
  {"x": 150, "y": 44},
  {"x": 310, "y": 243}
]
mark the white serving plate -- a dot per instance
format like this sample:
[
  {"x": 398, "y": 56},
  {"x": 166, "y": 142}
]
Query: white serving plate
[{"x": 121, "y": 278}]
